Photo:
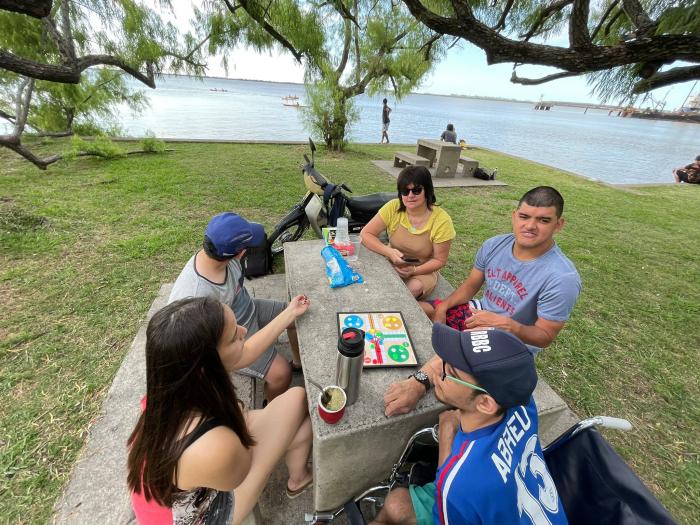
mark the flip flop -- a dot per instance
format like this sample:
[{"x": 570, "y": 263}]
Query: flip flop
[
  {"x": 295, "y": 368},
  {"x": 291, "y": 494}
]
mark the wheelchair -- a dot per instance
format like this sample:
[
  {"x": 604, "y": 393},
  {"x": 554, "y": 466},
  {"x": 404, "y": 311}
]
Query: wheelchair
[{"x": 594, "y": 483}]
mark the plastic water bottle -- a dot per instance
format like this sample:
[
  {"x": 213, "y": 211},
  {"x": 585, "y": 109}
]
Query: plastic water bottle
[
  {"x": 341, "y": 233},
  {"x": 351, "y": 354}
]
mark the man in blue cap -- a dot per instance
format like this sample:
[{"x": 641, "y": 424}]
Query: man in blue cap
[
  {"x": 215, "y": 271},
  {"x": 491, "y": 469}
]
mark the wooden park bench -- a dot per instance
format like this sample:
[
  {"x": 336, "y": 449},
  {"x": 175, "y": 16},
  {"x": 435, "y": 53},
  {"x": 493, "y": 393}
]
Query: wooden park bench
[{"x": 404, "y": 158}]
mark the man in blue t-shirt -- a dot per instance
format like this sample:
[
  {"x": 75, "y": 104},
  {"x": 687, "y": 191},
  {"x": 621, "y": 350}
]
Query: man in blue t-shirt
[
  {"x": 491, "y": 469},
  {"x": 530, "y": 289}
]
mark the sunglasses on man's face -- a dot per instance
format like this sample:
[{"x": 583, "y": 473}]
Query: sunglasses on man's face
[
  {"x": 416, "y": 191},
  {"x": 459, "y": 381}
]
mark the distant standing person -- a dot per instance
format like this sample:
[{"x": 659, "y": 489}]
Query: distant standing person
[
  {"x": 689, "y": 173},
  {"x": 449, "y": 135},
  {"x": 386, "y": 110}
]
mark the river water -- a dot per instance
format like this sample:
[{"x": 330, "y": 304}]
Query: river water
[{"x": 595, "y": 145}]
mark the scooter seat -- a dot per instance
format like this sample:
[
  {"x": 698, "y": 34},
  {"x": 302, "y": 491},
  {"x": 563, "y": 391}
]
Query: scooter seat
[{"x": 364, "y": 207}]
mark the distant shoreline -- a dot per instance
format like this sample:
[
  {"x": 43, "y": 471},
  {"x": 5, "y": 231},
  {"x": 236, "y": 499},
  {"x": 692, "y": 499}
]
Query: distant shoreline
[{"x": 454, "y": 95}]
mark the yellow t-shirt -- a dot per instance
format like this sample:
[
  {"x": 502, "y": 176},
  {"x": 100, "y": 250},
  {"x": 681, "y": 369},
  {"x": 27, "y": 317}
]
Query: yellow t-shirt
[{"x": 439, "y": 224}]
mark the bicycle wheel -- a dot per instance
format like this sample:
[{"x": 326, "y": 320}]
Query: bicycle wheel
[{"x": 289, "y": 229}]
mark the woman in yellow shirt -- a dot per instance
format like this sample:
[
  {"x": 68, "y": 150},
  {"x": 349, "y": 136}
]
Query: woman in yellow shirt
[{"x": 420, "y": 232}]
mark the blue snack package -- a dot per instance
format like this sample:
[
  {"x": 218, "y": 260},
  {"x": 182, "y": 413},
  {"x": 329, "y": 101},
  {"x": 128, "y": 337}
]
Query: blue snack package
[{"x": 338, "y": 271}]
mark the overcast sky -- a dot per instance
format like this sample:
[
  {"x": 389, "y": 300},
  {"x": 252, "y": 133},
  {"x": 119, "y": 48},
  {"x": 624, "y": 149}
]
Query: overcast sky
[{"x": 463, "y": 72}]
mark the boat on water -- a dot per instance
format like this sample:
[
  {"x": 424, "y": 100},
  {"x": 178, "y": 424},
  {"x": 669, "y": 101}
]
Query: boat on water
[
  {"x": 292, "y": 101},
  {"x": 220, "y": 90}
]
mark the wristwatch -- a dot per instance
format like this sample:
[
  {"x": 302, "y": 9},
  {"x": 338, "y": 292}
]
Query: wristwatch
[{"x": 422, "y": 378}]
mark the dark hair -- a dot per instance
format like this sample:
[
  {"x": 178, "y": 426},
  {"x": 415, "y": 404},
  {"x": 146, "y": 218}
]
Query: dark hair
[
  {"x": 450, "y": 127},
  {"x": 697, "y": 158},
  {"x": 419, "y": 176},
  {"x": 185, "y": 379},
  {"x": 384, "y": 101},
  {"x": 544, "y": 197},
  {"x": 210, "y": 250}
]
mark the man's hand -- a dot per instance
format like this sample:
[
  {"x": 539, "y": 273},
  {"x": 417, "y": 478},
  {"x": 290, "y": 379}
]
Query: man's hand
[
  {"x": 402, "y": 397},
  {"x": 483, "y": 319},
  {"x": 440, "y": 315},
  {"x": 449, "y": 423},
  {"x": 298, "y": 305}
]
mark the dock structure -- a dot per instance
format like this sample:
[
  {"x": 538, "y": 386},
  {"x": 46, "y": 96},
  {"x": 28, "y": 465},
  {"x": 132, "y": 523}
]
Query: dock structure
[{"x": 620, "y": 111}]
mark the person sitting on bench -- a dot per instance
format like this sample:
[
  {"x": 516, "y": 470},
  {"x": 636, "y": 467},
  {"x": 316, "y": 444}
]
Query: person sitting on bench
[
  {"x": 196, "y": 454},
  {"x": 490, "y": 466}
]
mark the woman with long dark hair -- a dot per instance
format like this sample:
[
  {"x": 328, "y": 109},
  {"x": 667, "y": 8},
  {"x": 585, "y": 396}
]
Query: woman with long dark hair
[
  {"x": 196, "y": 455},
  {"x": 420, "y": 232}
]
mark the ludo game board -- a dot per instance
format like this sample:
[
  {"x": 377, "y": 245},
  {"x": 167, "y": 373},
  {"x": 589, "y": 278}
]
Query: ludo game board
[{"x": 387, "y": 342}]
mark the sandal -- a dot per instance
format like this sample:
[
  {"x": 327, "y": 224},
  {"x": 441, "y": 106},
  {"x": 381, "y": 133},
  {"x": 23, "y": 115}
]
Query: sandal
[
  {"x": 295, "y": 367},
  {"x": 291, "y": 494}
]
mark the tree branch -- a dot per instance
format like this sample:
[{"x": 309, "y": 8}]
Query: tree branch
[
  {"x": 346, "y": 48},
  {"x": 515, "y": 79},
  {"x": 638, "y": 16},
  {"x": 24, "y": 97},
  {"x": 578, "y": 25},
  {"x": 545, "y": 13},
  {"x": 269, "y": 29},
  {"x": 33, "y": 8},
  {"x": 592, "y": 58},
  {"x": 609, "y": 10},
  {"x": 70, "y": 73},
  {"x": 666, "y": 78},
  {"x": 8, "y": 117},
  {"x": 501, "y": 24},
  {"x": 13, "y": 143}
]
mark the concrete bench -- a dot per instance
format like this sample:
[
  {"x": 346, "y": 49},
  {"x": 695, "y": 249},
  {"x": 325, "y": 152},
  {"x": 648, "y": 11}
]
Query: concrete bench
[
  {"x": 554, "y": 414},
  {"x": 96, "y": 491},
  {"x": 468, "y": 166},
  {"x": 404, "y": 158}
]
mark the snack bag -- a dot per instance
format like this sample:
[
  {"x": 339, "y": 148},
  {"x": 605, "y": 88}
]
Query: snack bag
[{"x": 338, "y": 271}]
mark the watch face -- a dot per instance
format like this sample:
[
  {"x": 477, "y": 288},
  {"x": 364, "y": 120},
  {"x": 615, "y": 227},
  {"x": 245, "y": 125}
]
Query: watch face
[{"x": 421, "y": 375}]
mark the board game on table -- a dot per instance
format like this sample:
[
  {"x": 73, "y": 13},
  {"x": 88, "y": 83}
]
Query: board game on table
[{"x": 387, "y": 341}]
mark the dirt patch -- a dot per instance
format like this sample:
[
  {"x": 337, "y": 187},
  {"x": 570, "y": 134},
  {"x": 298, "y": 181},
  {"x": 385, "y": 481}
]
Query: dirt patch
[{"x": 14, "y": 219}]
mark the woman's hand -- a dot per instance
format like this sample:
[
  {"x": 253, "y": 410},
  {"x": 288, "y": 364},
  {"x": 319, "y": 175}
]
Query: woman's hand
[
  {"x": 298, "y": 305},
  {"x": 396, "y": 257},
  {"x": 405, "y": 271}
]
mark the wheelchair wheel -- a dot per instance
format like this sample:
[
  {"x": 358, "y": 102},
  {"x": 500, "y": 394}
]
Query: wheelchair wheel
[{"x": 291, "y": 228}]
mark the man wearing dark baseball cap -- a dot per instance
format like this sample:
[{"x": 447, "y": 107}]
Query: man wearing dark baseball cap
[
  {"x": 215, "y": 271},
  {"x": 491, "y": 470}
]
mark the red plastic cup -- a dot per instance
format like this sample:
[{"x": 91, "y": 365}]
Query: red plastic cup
[{"x": 332, "y": 416}]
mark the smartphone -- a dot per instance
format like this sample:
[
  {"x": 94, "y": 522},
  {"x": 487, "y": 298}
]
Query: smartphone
[{"x": 411, "y": 260}]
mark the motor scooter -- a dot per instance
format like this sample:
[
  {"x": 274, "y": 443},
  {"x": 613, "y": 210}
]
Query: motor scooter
[{"x": 322, "y": 205}]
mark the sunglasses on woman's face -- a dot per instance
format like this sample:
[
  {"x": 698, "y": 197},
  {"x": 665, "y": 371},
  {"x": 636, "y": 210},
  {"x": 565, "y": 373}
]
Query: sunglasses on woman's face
[{"x": 416, "y": 191}]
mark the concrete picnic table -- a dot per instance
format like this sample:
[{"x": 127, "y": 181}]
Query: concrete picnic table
[
  {"x": 446, "y": 153},
  {"x": 360, "y": 450}
]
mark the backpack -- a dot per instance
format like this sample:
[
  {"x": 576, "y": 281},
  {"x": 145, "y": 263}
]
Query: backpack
[
  {"x": 257, "y": 260},
  {"x": 485, "y": 173}
]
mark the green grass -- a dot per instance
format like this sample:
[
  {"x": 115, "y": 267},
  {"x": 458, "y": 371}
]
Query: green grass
[{"x": 85, "y": 246}]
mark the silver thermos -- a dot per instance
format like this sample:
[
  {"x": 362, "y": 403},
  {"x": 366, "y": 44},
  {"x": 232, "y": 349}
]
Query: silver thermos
[{"x": 351, "y": 353}]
